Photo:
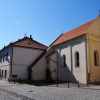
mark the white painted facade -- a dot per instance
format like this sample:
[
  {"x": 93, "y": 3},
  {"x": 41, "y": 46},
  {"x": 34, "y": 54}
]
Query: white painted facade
[
  {"x": 18, "y": 60},
  {"x": 5, "y": 63},
  {"x": 22, "y": 58},
  {"x": 72, "y": 72}
]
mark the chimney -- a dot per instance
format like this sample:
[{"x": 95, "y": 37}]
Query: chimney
[{"x": 31, "y": 37}]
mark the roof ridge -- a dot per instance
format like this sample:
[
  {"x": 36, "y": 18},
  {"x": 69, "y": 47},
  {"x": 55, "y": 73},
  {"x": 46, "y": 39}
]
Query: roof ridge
[
  {"x": 19, "y": 40},
  {"x": 40, "y": 43},
  {"x": 78, "y": 31},
  {"x": 56, "y": 39},
  {"x": 80, "y": 26}
]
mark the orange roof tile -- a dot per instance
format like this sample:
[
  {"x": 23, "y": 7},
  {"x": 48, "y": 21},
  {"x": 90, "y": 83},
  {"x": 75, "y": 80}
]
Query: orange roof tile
[
  {"x": 72, "y": 34},
  {"x": 28, "y": 42}
]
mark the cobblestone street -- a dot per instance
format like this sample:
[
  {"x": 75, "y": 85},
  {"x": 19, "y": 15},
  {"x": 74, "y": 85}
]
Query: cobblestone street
[{"x": 29, "y": 92}]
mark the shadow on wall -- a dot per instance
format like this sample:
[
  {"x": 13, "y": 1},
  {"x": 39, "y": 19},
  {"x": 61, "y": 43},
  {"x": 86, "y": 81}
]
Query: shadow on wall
[{"x": 65, "y": 72}]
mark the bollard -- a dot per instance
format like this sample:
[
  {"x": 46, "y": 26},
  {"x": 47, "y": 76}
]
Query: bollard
[
  {"x": 46, "y": 82},
  {"x": 68, "y": 84},
  {"x": 37, "y": 83},
  {"x": 78, "y": 84},
  {"x": 87, "y": 83},
  {"x": 14, "y": 81},
  {"x": 19, "y": 80},
  {"x": 29, "y": 82},
  {"x": 57, "y": 84},
  {"x": 95, "y": 82}
]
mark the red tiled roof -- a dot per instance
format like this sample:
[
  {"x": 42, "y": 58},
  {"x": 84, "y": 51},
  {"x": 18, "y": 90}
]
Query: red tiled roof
[
  {"x": 72, "y": 34},
  {"x": 28, "y": 42}
]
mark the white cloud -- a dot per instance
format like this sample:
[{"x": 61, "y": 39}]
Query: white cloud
[{"x": 18, "y": 22}]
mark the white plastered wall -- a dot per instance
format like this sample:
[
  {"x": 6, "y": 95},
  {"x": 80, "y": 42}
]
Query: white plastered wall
[
  {"x": 79, "y": 72},
  {"x": 22, "y": 58},
  {"x": 70, "y": 72},
  {"x": 6, "y": 64},
  {"x": 53, "y": 66},
  {"x": 65, "y": 72}
]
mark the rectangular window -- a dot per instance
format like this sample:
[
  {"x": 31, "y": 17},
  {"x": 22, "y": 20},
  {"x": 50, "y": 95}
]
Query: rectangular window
[
  {"x": 5, "y": 73},
  {"x": 14, "y": 75},
  {"x": 2, "y": 73}
]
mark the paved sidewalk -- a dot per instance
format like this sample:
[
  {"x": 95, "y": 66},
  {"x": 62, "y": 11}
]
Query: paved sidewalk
[{"x": 30, "y": 92}]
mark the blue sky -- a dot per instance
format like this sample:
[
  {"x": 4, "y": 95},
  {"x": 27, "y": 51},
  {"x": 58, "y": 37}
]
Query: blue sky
[{"x": 43, "y": 19}]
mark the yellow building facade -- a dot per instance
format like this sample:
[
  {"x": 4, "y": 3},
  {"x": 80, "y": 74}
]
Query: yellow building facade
[{"x": 93, "y": 51}]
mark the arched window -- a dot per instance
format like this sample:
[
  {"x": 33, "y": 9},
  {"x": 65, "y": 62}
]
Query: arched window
[
  {"x": 77, "y": 63},
  {"x": 96, "y": 58},
  {"x": 64, "y": 61}
]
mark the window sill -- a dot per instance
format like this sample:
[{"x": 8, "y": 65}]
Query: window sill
[
  {"x": 77, "y": 66},
  {"x": 97, "y": 66}
]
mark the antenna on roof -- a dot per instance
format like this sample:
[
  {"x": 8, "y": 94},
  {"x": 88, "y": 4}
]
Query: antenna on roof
[
  {"x": 13, "y": 40},
  {"x": 62, "y": 31},
  {"x": 25, "y": 34}
]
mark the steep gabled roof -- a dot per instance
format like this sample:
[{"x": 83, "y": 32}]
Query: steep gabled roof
[
  {"x": 29, "y": 42},
  {"x": 72, "y": 34}
]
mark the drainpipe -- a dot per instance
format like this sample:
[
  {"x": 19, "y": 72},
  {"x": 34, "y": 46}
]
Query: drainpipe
[
  {"x": 71, "y": 63},
  {"x": 11, "y": 62},
  {"x": 86, "y": 59},
  {"x": 57, "y": 68}
]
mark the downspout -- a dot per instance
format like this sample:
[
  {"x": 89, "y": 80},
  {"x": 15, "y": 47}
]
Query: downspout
[
  {"x": 57, "y": 68},
  {"x": 71, "y": 63},
  {"x": 11, "y": 62},
  {"x": 86, "y": 60}
]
